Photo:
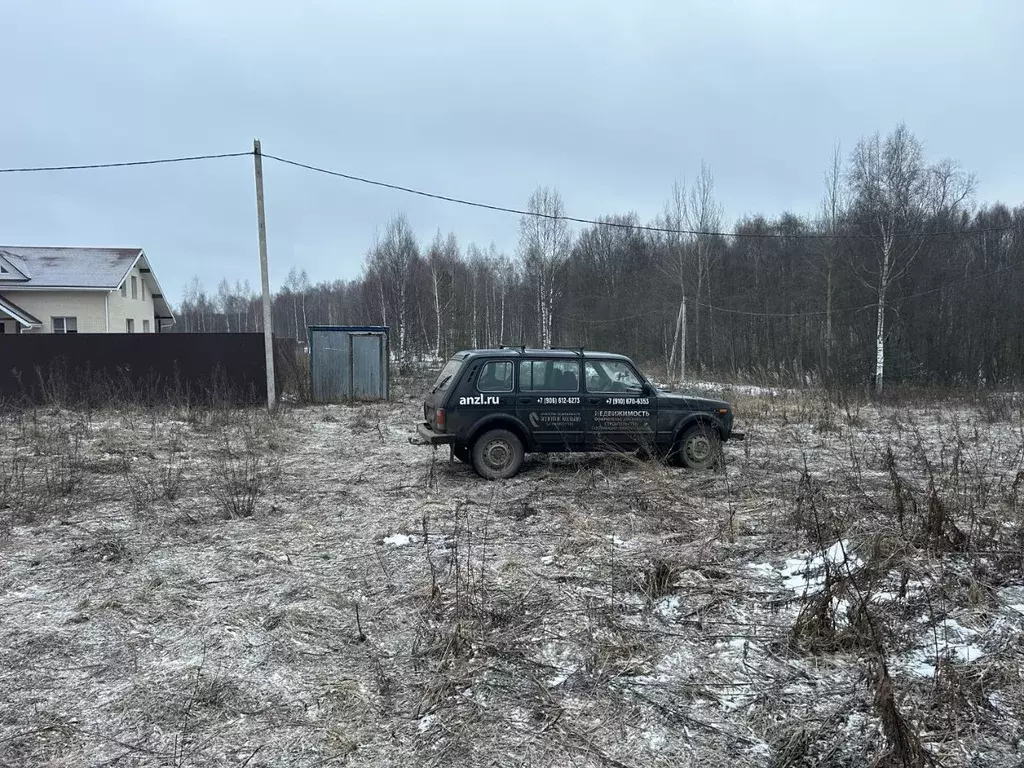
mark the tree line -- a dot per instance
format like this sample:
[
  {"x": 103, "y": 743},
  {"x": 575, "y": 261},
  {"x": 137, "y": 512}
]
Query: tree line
[{"x": 900, "y": 276}]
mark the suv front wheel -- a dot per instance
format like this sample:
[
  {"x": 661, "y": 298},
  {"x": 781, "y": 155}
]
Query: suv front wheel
[
  {"x": 699, "y": 447},
  {"x": 497, "y": 455}
]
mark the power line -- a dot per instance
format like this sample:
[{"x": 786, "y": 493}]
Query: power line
[
  {"x": 619, "y": 224},
  {"x": 508, "y": 209},
  {"x": 92, "y": 166}
]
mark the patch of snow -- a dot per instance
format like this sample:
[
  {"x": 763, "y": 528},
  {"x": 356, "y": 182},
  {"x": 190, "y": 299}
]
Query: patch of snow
[
  {"x": 656, "y": 740},
  {"x": 949, "y": 640},
  {"x": 736, "y": 644},
  {"x": 805, "y": 574},
  {"x": 968, "y": 653},
  {"x": 732, "y": 701},
  {"x": 913, "y": 588},
  {"x": 547, "y": 560},
  {"x": 1013, "y": 596},
  {"x": 951, "y": 625},
  {"x": 674, "y": 661},
  {"x": 426, "y": 722},
  {"x": 398, "y": 540},
  {"x": 559, "y": 658},
  {"x": 746, "y": 389},
  {"x": 668, "y": 608},
  {"x": 923, "y": 663},
  {"x": 558, "y": 679},
  {"x": 761, "y": 750}
]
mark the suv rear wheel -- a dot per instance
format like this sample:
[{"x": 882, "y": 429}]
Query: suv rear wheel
[
  {"x": 699, "y": 447},
  {"x": 497, "y": 454}
]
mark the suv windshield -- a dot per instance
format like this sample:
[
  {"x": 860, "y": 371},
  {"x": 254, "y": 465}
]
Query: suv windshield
[{"x": 444, "y": 378}]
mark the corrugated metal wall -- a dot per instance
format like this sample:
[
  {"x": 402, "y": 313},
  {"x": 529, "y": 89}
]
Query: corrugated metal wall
[{"x": 348, "y": 363}]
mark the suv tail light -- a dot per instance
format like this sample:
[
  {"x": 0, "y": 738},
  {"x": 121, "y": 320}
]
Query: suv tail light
[{"x": 439, "y": 419}]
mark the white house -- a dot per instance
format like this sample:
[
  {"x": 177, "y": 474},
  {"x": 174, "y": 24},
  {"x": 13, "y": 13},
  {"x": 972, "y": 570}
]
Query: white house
[{"x": 80, "y": 290}]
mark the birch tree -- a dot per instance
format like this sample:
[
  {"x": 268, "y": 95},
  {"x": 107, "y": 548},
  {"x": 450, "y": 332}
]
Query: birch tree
[
  {"x": 392, "y": 262},
  {"x": 894, "y": 191},
  {"x": 442, "y": 257},
  {"x": 544, "y": 243},
  {"x": 225, "y": 303}
]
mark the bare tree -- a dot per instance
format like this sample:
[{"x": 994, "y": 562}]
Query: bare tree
[
  {"x": 441, "y": 260},
  {"x": 677, "y": 265},
  {"x": 704, "y": 216},
  {"x": 243, "y": 300},
  {"x": 833, "y": 208},
  {"x": 544, "y": 242},
  {"x": 894, "y": 191},
  {"x": 391, "y": 263},
  {"x": 296, "y": 286}
]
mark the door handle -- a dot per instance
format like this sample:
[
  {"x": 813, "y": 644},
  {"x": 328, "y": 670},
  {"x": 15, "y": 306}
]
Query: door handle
[
  {"x": 524, "y": 400},
  {"x": 593, "y": 400}
]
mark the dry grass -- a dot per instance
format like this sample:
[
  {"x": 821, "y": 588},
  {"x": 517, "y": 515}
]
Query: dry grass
[{"x": 215, "y": 587}]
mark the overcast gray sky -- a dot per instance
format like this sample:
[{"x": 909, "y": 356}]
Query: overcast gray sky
[{"x": 609, "y": 102}]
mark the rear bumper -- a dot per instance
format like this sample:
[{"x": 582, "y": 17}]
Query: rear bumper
[{"x": 426, "y": 436}]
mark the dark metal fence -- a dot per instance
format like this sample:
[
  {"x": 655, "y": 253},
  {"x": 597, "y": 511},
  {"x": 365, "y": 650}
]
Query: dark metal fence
[{"x": 103, "y": 369}]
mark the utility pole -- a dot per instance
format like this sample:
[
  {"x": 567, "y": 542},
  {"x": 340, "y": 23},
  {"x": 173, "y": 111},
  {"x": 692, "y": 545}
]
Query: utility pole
[
  {"x": 682, "y": 342},
  {"x": 268, "y": 331}
]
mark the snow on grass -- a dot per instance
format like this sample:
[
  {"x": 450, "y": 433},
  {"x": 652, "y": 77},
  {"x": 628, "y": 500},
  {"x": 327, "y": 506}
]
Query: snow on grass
[
  {"x": 805, "y": 573},
  {"x": 720, "y": 387},
  {"x": 668, "y": 608}
]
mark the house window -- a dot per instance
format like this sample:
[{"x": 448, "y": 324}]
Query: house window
[
  {"x": 64, "y": 324},
  {"x": 124, "y": 290},
  {"x": 142, "y": 290},
  {"x": 129, "y": 325},
  {"x": 135, "y": 287},
  {"x": 145, "y": 326}
]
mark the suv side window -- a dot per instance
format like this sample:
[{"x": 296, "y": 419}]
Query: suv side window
[
  {"x": 549, "y": 376},
  {"x": 604, "y": 376},
  {"x": 495, "y": 376}
]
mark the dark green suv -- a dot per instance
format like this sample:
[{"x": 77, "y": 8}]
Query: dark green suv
[{"x": 492, "y": 406}]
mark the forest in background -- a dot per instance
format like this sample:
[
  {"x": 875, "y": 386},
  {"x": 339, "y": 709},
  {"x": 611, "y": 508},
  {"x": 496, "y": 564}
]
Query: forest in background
[{"x": 901, "y": 277}]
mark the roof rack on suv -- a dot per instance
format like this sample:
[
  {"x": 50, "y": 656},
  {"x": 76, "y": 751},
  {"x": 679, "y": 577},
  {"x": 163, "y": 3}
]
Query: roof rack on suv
[
  {"x": 578, "y": 350},
  {"x": 520, "y": 347}
]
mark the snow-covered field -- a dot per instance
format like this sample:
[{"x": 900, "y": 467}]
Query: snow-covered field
[{"x": 850, "y": 587}]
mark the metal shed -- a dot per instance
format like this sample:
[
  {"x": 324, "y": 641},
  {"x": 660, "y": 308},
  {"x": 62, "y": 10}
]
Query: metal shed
[{"x": 349, "y": 362}]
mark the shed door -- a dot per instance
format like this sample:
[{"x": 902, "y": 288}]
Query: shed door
[
  {"x": 331, "y": 353},
  {"x": 368, "y": 366}
]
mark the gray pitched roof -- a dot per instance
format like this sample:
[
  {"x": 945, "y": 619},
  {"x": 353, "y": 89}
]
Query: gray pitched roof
[
  {"x": 87, "y": 269},
  {"x": 72, "y": 267}
]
